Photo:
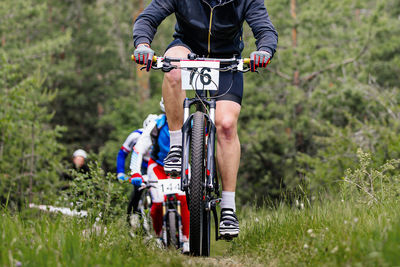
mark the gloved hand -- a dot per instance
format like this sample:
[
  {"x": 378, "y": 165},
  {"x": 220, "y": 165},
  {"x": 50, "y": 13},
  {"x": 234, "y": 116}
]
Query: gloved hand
[
  {"x": 144, "y": 55},
  {"x": 136, "y": 179},
  {"x": 122, "y": 177},
  {"x": 259, "y": 59}
]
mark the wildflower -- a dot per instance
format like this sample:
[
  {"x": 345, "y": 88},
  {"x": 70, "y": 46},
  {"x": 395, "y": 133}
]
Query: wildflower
[
  {"x": 256, "y": 219},
  {"x": 309, "y": 231},
  {"x": 335, "y": 249},
  {"x": 305, "y": 246},
  {"x": 345, "y": 222},
  {"x": 356, "y": 220}
]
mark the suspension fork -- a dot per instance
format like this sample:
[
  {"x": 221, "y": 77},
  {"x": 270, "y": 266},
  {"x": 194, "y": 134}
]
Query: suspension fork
[
  {"x": 211, "y": 129},
  {"x": 186, "y": 130}
]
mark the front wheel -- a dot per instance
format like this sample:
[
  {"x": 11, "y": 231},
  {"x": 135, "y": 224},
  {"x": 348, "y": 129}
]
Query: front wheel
[
  {"x": 196, "y": 190},
  {"x": 206, "y": 234}
]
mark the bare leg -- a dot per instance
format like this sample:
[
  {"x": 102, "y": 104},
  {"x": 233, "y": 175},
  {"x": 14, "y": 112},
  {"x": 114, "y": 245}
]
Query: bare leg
[
  {"x": 228, "y": 145},
  {"x": 171, "y": 90}
]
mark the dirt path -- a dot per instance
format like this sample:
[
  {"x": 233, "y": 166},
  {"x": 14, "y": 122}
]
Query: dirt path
[{"x": 222, "y": 261}]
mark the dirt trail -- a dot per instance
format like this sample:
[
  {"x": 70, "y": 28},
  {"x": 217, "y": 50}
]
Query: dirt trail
[{"x": 221, "y": 261}]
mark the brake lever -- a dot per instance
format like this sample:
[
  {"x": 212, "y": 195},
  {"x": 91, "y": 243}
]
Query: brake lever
[
  {"x": 167, "y": 67},
  {"x": 247, "y": 70},
  {"x": 153, "y": 67}
]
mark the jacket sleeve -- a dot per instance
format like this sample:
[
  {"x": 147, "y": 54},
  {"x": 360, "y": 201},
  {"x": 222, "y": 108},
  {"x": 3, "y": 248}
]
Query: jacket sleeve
[
  {"x": 264, "y": 31},
  {"x": 147, "y": 22},
  {"x": 121, "y": 161},
  {"x": 142, "y": 146}
]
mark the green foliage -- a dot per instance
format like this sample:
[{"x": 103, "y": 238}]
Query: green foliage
[
  {"x": 29, "y": 152},
  {"x": 98, "y": 193},
  {"x": 327, "y": 93},
  {"x": 374, "y": 185},
  {"x": 307, "y": 130}
]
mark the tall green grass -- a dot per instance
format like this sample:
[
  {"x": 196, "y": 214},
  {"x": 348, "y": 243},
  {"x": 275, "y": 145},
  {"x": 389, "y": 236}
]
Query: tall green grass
[
  {"x": 330, "y": 233},
  {"x": 58, "y": 241}
]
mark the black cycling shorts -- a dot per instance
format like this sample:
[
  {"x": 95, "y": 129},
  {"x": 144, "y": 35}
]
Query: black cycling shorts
[{"x": 230, "y": 83}]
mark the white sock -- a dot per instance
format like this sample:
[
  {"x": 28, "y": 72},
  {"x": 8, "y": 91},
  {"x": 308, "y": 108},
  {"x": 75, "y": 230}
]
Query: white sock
[
  {"x": 175, "y": 138},
  {"x": 228, "y": 200}
]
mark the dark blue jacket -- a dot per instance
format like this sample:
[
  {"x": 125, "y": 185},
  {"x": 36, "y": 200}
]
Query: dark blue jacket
[{"x": 209, "y": 27}]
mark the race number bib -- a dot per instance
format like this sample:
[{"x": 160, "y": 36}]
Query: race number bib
[
  {"x": 170, "y": 186},
  {"x": 200, "y": 75}
]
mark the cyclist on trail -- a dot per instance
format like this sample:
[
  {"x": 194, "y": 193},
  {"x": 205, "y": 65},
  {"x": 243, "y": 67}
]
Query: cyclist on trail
[
  {"x": 126, "y": 148},
  {"x": 212, "y": 28},
  {"x": 156, "y": 140}
]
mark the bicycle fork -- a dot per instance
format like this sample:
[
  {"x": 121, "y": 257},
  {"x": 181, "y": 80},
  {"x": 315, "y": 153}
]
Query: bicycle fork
[
  {"x": 211, "y": 182},
  {"x": 210, "y": 133}
]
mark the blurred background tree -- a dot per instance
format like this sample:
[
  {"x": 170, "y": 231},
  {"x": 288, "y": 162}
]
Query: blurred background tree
[
  {"x": 30, "y": 153},
  {"x": 332, "y": 87}
]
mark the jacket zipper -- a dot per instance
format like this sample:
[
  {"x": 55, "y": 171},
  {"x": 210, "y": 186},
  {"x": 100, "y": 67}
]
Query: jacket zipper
[
  {"x": 211, "y": 19},
  {"x": 209, "y": 32}
]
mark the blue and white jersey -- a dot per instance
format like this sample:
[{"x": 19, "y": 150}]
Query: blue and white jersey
[
  {"x": 126, "y": 148},
  {"x": 131, "y": 140}
]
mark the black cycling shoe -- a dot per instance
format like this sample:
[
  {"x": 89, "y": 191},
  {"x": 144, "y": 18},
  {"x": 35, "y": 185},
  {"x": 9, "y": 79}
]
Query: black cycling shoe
[
  {"x": 173, "y": 162},
  {"x": 229, "y": 225}
]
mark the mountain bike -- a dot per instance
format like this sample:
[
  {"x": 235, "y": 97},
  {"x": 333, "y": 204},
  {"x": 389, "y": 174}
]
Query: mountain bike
[
  {"x": 199, "y": 178},
  {"x": 172, "y": 221}
]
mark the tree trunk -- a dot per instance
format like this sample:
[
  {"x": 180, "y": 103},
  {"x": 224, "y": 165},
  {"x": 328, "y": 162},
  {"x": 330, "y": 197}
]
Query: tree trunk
[
  {"x": 296, "y": 80},
  {"x": 142, "y": 77}
]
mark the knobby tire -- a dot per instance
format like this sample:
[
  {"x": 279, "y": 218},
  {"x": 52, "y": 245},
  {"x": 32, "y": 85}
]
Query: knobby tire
[
  {"x": 196, "y": 184},
  {"x": 172, "y": 233}
]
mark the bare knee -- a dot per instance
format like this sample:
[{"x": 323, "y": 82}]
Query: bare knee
[
  {"x": 227, "y": 128},
  {"x": 173, "y": 78}
]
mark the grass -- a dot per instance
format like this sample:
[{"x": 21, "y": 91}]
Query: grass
[{"x": 332, "y": 233}]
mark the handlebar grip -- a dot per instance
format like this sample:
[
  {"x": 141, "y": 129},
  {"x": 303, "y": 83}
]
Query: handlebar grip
[
  {"x": 246, "y": 60},
  {"x": 154, "y": 58}
]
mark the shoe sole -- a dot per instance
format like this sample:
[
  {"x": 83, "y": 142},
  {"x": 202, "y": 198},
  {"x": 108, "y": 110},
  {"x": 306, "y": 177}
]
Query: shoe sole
[
  {"x": 227, "y": 237},
  {"x": 229, "y": 232}
]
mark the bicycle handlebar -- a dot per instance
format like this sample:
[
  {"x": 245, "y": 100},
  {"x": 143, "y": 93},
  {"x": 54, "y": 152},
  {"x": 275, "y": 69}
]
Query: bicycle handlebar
[{"x": 236, "y": 64}]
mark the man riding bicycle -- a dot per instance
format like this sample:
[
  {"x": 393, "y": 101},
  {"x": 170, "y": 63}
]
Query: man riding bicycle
[
  {"x": 212, "y": 28},
  {"x": 156, "y": 140}
]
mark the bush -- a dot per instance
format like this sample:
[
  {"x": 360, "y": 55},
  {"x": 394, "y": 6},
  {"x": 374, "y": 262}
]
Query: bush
[
  {"x": 371, "y": 185},
  {"x": 98, "y": 193}
]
